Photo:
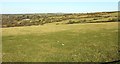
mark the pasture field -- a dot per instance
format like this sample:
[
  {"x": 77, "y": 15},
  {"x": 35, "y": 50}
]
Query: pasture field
[{"x": 85, "y": 42}]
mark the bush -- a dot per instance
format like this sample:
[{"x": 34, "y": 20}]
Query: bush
[
  {"x": 70, "y": 22},
  {"x": 57, "y": 23},
  {"x": 82, "y": 21},
  {"x": 95, "y": 19},
  {"x": 113, "y": 20}
]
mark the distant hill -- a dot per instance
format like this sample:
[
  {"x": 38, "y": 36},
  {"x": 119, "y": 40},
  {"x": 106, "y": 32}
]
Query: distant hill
[{"x": 13, "y": 20}]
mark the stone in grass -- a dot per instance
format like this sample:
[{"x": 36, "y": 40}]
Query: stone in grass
[
  {"x": 63, "y": 44},
  {"x": 58, "y": 41}
]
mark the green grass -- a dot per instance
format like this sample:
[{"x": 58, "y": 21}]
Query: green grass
[{"x": 97, "y": 42}]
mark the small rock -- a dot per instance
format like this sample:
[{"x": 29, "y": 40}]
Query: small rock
[
  {"x": 58, "y": 41},
  {"x": 62, "y": 44},
  {"x": 75, "y": 55}
]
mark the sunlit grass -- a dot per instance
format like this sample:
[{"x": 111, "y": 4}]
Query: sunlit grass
[{"x": 91, "y": 42}]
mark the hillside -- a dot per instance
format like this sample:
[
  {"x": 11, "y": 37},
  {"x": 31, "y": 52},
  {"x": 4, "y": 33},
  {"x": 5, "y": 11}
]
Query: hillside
[
  {"x": 12, "y": 20},
  {"x": 60, "y": 37}
]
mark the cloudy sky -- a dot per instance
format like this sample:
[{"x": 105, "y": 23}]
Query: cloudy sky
[{"x": 57, "y": 6}]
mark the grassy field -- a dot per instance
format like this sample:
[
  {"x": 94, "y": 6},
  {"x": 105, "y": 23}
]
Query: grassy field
[{"x": 91, "y": 42}]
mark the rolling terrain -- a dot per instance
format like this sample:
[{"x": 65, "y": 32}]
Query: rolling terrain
[
  {"x": 83, "y": 38},
  {"x": 14, "y": 20}
]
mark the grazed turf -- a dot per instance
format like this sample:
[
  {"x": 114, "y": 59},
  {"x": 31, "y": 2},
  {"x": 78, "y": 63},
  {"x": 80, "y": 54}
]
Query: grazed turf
[{"x": 97, "y": 42}]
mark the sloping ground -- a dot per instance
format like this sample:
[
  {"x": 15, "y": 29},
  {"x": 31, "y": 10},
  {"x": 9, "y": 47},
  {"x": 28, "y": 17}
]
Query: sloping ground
[
  {"x": 13, "y": 20},
  {"x": 91, "y": 42}
]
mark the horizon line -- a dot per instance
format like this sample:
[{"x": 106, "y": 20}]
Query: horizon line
[{"x": 59, "y": 12}]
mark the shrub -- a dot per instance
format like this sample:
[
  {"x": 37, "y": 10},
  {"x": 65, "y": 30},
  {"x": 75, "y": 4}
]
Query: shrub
[
  {"x": 113, "y": 19},
  {"x": 70, "y": 22},
  {"x": 95, "y": 19},
  {"x": 57, "y": 23}
]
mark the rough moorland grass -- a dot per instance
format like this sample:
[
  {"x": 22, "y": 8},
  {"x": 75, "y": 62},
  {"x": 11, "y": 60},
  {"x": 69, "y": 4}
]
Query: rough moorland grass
[{"x": 96, "y": 42}]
